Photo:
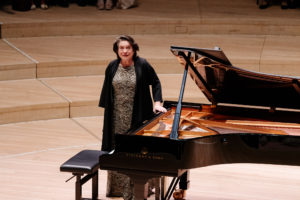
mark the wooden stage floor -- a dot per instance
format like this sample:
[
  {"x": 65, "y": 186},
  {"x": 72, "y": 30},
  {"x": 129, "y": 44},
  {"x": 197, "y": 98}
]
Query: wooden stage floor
[{"x": 31, "y": 153}]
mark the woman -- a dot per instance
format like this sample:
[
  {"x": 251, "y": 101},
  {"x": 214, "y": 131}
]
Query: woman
[{"x": 127, "y": 101}]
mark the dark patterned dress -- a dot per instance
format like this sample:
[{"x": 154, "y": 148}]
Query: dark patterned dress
[{"x": 124, "y": 83}]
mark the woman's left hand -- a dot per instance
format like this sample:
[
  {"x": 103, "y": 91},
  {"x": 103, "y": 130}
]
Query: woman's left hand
[{"x": 158, "y": 108}]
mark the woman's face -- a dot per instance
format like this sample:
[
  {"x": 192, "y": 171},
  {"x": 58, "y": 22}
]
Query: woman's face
[{"x": 125, "y": 50}]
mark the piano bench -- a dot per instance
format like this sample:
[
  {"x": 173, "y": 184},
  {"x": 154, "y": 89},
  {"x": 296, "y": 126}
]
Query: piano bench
[{"x": 84, "y": 162}]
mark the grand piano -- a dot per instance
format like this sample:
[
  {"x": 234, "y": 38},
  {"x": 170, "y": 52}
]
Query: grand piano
[{"x": 252, "y": 118}]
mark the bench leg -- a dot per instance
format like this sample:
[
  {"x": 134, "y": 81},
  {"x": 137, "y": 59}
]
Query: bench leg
[
  {"x": 78, "y": 187},
  {"x": 95, "y": 186},
  {"x": 80, "y": 181}
]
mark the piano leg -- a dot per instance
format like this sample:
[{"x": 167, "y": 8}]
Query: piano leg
[
  {"x": 140, "y": 182},
  {"x": 163, "y": 185},
  {"x": 184, "y": 182},
  {"x": 140, "y": 189}
]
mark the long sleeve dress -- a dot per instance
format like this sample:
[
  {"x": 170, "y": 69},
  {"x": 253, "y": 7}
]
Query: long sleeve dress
[
  {"x": 127, "y": 108},
  {"x": 123, "y": 83}
]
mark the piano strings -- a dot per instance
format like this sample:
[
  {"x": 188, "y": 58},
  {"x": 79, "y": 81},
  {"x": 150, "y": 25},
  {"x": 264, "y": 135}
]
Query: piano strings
[{"x": 194, "y": 123}]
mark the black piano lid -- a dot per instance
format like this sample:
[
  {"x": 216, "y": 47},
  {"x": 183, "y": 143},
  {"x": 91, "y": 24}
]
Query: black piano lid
[{"x": 223, "y": 83}]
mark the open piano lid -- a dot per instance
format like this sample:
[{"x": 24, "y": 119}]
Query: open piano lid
[{"x": 223, "y": 83}]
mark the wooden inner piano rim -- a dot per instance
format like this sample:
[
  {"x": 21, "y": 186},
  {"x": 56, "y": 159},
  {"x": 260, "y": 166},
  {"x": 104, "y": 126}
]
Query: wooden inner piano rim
[{"x": 259, "y": 127}]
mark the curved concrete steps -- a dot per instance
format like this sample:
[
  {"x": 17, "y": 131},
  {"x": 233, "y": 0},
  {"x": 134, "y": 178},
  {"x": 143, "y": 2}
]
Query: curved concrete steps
[
  {"x": 43, "y": 57},
  {"x": 38, "y": 99},
  {"x": 67, "y": 72}
]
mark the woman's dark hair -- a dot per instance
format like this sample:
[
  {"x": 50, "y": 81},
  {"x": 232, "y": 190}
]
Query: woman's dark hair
[{"x": 131, "y": 41}]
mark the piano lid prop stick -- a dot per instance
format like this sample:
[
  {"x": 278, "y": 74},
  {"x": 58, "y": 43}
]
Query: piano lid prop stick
[{"x": 175, "y": 127}]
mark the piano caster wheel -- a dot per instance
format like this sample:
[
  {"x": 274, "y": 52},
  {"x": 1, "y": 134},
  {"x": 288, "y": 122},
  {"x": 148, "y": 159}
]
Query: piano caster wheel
[{"x": 179, "y": 194}]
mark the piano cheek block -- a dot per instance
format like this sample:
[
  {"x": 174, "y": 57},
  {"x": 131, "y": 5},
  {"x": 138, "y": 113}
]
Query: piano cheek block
[{"x": 84, "y": 162}]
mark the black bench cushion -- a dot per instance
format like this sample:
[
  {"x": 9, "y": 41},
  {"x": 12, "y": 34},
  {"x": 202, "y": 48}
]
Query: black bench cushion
[{"x": 86, "y": 161}]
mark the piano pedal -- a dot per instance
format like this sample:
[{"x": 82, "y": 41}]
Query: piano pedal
[{"x": 179, "y": 194}]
